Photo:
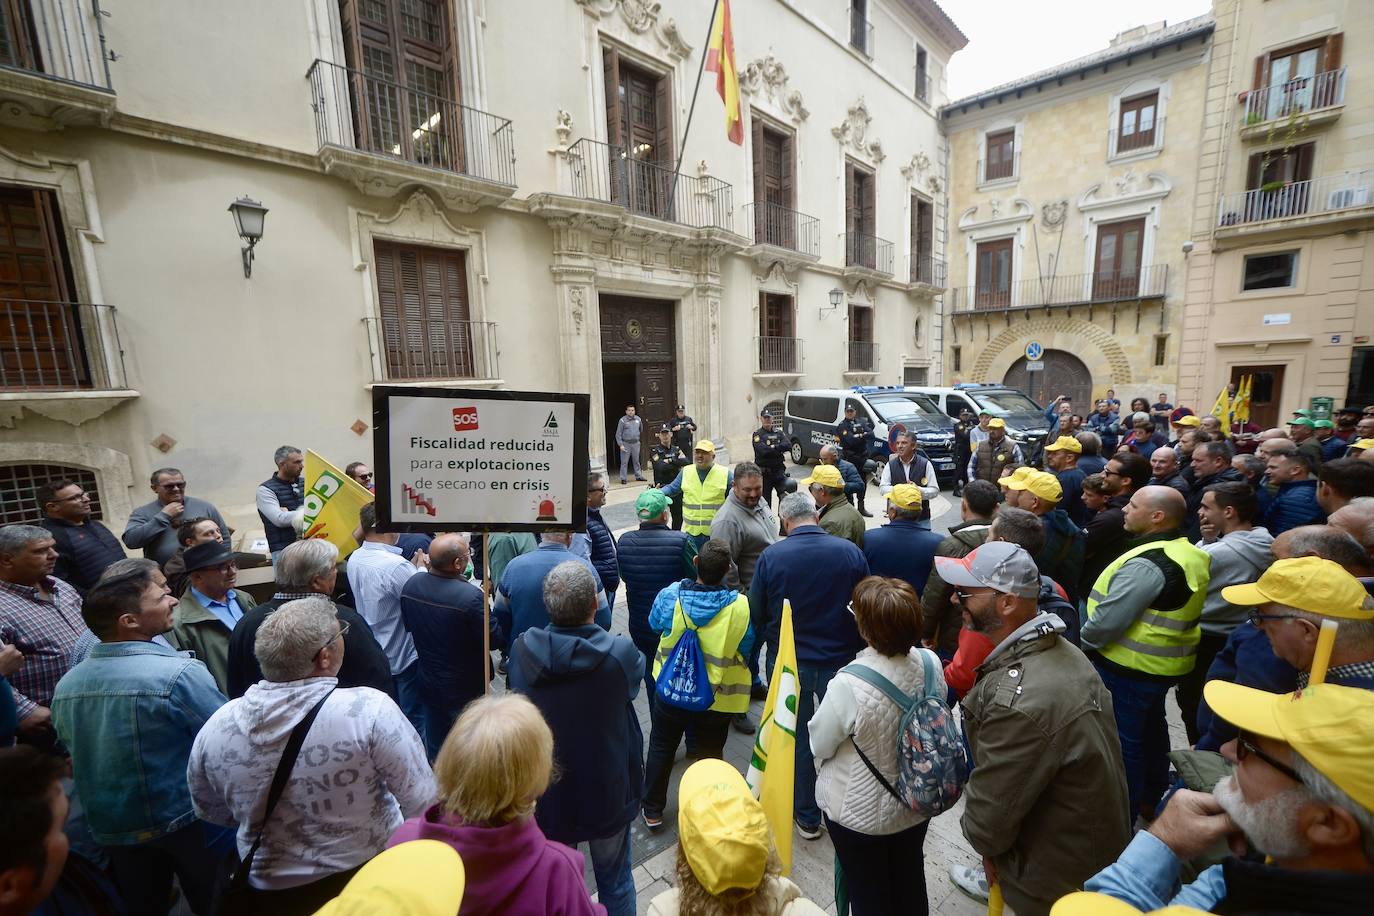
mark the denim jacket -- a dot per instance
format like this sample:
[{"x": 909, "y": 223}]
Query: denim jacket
[{"x": 128, "y": 714}]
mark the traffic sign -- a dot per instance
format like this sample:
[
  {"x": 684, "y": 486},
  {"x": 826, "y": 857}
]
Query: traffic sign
[
  {"x": 1035, "y": 365},
  {"x": 1034, "y": 351}
]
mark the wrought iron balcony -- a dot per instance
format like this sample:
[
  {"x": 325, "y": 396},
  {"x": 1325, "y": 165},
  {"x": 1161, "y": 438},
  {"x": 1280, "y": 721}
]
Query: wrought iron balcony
[
  {"x": 357, "y": 110},
  {"x": 867, "y": 251},
  {"x": 861, "y": 32},
  {"x": 1296, "y": 96},
  {"x": 1284, "y": 200},
  {"x": 1001, "y": 170},
  {"x": 602, "y": 171},
  {"x": 1139, "y": 140},
  {"x": 1150, "y": 282},
  {"x": 409, "y": 350},
  {"x": 863, "y": 356},
  {"x": 59, "y": 346},
  {"x": 927, "y": 270},
  {"x": 54, "y": 66},
  {"x": 784, "y": 227},
  {"x": 779, "y": 355}
]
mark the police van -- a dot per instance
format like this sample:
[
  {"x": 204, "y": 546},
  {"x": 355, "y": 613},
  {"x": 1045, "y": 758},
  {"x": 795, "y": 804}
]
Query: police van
[
  {"x": 1027, "y": 424},
  {"x": 810, "y": 417}
]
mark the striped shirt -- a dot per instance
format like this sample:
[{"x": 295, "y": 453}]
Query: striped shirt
[{"x": 45, "y": 628}]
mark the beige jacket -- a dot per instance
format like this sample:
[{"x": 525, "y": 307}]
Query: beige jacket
[{"x": 787, "y": 900}]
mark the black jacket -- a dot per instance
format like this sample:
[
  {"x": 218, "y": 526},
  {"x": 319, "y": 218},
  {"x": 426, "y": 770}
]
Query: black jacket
[
  {"x": 1194, "y": 497},
  {"x": 651, "y": 559},
  {"x": 1106, "y": 539},
  {"x": 603, "y": 551},
  {"x": 83, "y": 551},
  {"x": 444, "y": 617}
]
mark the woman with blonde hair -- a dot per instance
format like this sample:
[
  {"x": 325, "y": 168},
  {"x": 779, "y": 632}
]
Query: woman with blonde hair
[
  {"x": 726, "y": 865},
  {"x": 495, "y": 763}
]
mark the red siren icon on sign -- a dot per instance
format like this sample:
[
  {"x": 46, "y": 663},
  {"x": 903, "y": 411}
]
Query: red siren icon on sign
[{"x": 546, "y": 510}]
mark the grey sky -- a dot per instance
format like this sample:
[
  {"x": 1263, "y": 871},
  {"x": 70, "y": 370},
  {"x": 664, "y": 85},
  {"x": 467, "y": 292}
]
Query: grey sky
[{"x": 1009, "y": 39}]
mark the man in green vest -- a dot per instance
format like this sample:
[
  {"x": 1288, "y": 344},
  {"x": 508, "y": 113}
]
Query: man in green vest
[
  {"x": 703, "y": 488},
  {"x": 1142, "y": 632}
]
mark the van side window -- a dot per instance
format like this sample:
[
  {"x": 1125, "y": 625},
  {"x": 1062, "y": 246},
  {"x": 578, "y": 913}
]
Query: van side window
[
  {"x": 827, "y": 410},
  {"x": 954, "y": 404},
  {"x": 859, "y": 409}
]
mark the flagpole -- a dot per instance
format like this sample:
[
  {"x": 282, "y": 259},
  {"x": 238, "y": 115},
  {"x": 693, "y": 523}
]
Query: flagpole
[{"x": 691, "y": 109}]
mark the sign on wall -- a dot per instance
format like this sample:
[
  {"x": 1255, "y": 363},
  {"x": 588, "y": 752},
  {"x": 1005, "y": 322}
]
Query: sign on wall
[{"x": 452, "y": 459}]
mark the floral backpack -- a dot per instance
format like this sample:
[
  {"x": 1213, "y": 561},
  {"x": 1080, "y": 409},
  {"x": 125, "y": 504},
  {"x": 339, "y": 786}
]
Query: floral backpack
[{"x": 931, "y": 764}]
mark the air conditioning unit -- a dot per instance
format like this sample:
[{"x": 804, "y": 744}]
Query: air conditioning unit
[{"x": 1344, "y": 198}]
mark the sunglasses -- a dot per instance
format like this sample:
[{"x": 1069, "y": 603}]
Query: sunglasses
[
  {"x": 1245, "y": 747},
  {"x": 967, "y": 596}
]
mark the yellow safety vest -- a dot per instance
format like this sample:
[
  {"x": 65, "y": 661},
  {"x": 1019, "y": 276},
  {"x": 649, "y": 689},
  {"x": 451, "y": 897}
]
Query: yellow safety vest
[
  {"x": 702, "y": 499},
  {"x": 726, "y": 669},
  {"x": 1159, "y": 642}
]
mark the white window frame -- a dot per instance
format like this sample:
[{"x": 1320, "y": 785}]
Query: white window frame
[{"x": 1131, "y": 91}]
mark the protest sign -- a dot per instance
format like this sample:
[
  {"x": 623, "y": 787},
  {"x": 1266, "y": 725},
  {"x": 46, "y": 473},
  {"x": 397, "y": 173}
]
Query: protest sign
[
  {"x": 451, "y": 459},
  {"x": 332, "y": 502}
]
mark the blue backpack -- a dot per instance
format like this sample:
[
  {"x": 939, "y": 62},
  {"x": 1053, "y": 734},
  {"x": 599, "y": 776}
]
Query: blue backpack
[
  {"x": 683, "y": 681},
  {"x": 931, "y": 764}
]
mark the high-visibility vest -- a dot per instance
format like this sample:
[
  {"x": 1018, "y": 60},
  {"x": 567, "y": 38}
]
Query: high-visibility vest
[
  {"x": 726, "y": 669},
  {"x": 1159, "y": 642},
  {"x": 702, "y": 499}
]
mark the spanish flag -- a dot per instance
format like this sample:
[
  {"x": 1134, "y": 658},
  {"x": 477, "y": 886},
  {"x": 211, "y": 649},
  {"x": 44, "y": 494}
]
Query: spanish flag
[
  {"x": 773, "y": 765},
  {"x": 720, "y": 57}
]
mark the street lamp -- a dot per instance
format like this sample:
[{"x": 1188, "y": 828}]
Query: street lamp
[
  {"x": 249, "y": 216},
  {"x": 836, "y": 297}
]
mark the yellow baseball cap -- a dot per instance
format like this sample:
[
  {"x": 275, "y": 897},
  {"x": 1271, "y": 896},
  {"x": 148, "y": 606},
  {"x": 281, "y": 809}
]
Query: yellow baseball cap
[
  {"x": 1329, "y": 726},
  {"x": 997, "y": 423},
  {"x": 1086, "y": 903},
  {"x": 826, "y": 475},
  {"x": 905, "y": 496},
  {"x": 1020, "y": 473},
  {"x": 1309, "y": 584},
  {"x": 705, "y": 445},
  {"x": 1065, "y": 444},
  {"x": 1189, "y": 420},
  {"x": 722, "y": 827},
  {"x": 1038, "y": 483},
  {"x": 419, "y": 878}
]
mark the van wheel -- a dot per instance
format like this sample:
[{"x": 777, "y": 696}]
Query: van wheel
[{"x": 798, "y": 457}]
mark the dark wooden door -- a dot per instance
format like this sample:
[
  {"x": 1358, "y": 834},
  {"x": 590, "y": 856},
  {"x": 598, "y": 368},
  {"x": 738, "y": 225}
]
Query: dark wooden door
[
  {"x": 655, "y": 395},
  {"x": 922, "y": 240},
  {"x": 640, "y": 332},
  {"x": 774, "y": 219},
  {"x": 860, "y": 206},
  {"x": 40, "y": 329},
  {"x": 1116, "y": 274},
  {"x": 1266, "y": 391},
  {"x": 1063, "y": 374},
  {"x": 993, "y": 276}
]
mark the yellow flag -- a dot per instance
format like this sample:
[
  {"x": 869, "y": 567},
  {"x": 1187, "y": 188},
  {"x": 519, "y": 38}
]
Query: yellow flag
[
  {"x": 772, "y": 768},
  {"x": 1241, "y": 408},
  {"x": 1222, "y": 408},
  {"x": 332, "y": 502}
]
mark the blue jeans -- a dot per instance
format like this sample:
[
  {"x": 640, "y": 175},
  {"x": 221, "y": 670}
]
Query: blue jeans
[
  {"x": 812, "y": 687},
  {"x": 615, "y": 883},
  {"x": 143, "y": 872},
  {"x": 1140, "y": 721},
  {"x": 408, "y": 696}
]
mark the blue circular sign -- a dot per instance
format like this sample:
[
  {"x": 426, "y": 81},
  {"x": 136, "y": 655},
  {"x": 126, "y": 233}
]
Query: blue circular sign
[{"x": 1034, "y": 350}]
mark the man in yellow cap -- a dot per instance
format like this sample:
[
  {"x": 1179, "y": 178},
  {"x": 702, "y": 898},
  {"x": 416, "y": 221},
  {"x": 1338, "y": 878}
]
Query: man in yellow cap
[
  {"x": 838, "y": 515},
  {"x": 1012, "y": 497},
  {"x": 703, "y": 487},
  {"x": 902, "y": 549},
  {"x": 1062, "y": 556},
  {"x": 1302, "y": 794},
  {"x": 996, "y": 455},
  {"x": 1061, "y": 460}
]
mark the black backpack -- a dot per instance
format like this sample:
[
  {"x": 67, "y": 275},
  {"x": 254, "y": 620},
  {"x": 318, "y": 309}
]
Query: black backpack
[{"x": 1051, "y": 602}]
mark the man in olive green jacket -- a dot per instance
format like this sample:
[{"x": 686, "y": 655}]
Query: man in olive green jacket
[
  {"x": 210, "y": 609},
  {"x": 838, "y": 515},
  {"x": 1046, "y": 804}
]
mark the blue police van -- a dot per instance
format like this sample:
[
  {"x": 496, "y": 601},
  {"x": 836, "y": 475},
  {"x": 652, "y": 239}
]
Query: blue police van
[{"x": 811, "y": 415}]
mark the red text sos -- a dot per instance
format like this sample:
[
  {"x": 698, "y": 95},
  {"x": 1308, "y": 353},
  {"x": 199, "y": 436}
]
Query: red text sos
[{"x": 464, "y": 418}]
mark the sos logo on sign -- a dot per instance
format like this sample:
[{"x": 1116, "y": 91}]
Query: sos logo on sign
[{"x": 464, "y": 418}]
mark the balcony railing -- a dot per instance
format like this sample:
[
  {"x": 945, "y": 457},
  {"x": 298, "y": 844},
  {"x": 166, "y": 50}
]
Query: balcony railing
[
  {"x": 928, "y": 270},
  {"x": 779, "y": 354},
  {"x": 1001, "y": 170},
  {"x": 1298, "y": 95},
  {"x": 1149, "y": 282},
  {"x": 784, "y": 227},
  {"x": 58, "y": 346},
  {"x": 863, "y": 356},
  {"x": 1147, "y": 140},
  {"x": 1330, "y": 194},
  {"x": 601, "y": 171},
  {"x": 443, "y": 349},
  {"x": 59, "y": 39},
  {"x": 356, "y": 110},
  {"x": 861, "y": 32},
  {"x": 869, "y": 251}
]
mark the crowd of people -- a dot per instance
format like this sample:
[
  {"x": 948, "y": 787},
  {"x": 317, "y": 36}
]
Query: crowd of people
[{"x": 178, "y": 739}]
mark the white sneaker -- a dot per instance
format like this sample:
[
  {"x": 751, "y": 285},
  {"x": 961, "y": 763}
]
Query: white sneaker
[{"x": 971, "y": 880}]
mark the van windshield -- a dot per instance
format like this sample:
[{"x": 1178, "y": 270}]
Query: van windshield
[
  {"x": 908, "y": 407},
  {"x": 1004, "y": 403}
]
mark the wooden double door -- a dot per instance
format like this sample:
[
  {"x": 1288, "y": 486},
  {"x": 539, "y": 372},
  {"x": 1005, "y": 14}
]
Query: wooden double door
[{"x": 638, "y": 365}]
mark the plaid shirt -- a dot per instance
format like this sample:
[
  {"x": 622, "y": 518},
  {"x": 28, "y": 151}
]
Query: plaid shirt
[
  {"x": 45, "y": 630},
  {"x": 1338, "y": 673}
]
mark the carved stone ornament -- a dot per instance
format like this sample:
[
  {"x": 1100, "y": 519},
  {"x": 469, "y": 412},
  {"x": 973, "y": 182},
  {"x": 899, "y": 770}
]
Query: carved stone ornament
[
  {"x": 563, "y": 128},
  {"x": 641, "y": 17},
  {"x": 577, "y": 299},
  {"x": 935, "y": 185},
  {"x": 1052, "y": 214},
  {"x": 1130, "y": 188},
  {"x": 916, "y": 169},
  {"x": 853, "y": 132},
  {"x": 766, "y": 76}
]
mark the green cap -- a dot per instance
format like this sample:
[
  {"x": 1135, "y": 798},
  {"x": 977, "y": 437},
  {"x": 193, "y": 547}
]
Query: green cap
[
  {"x": 1324, "y": 424},
  {"x": 1302, "y": 412},
  {"x": 650, "y": 504},
  {"x": 1303, "y": 421}
]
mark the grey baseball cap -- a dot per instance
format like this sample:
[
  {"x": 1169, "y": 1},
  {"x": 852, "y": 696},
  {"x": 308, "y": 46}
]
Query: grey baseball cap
[{"x": 998, "y": 565}]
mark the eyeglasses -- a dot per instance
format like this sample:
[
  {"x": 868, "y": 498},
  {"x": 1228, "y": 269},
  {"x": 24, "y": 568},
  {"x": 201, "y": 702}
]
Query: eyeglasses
[
  {"x": 1108, "y": 472},
  {"x": 597, "y": 490},
  {"x": 178, "y": 485},
  {"x": 1245, "y": 747},
  {"x": 965, "y": 596},
  {"x": 343, "y": 631},
  {"x": 70, "y": 499},
  {"x": 1257, "y": 620},
  {"x": 364, "y": 477}
]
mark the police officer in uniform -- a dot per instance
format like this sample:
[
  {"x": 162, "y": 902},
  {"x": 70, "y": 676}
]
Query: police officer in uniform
[
  {"x": 855, "y": 436},
  {"x": 770, "y": 451},
  {"x": 667, "y": 459},
  {"x": 684, "y": 430},
  {"x": 963, "y": 449}
]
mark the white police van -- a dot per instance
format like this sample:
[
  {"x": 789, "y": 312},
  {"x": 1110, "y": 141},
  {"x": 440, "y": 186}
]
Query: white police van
[
  {"x": 811, "y": 415},
  {"x": 1027, "y": 424}
]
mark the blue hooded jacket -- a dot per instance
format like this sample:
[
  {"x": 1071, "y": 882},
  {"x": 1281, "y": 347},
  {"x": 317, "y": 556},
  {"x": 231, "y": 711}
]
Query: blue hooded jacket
[{"x": 701, "y": 604}]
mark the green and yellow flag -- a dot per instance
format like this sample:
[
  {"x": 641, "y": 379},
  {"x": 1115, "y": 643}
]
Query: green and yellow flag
[
  {"x": 772, "y": 769},
  {"x": 1222, "y": 408},
  {"x": 332, "y": 503},
  {"x": 1240, "y": 410}
]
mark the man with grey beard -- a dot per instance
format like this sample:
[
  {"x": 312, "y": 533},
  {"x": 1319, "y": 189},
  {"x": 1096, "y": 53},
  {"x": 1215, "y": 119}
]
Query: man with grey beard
[{"x": 1301, "y": 794}]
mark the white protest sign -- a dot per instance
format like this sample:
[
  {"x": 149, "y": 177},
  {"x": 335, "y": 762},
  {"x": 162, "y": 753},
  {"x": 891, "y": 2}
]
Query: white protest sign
[{"x": 459, "y": 459}]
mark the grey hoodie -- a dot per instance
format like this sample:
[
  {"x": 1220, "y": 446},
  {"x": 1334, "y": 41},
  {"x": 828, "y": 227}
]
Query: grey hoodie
[{"x": 1237, "y": 558}]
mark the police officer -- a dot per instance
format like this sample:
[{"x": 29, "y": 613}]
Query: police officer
[
  {"x": 684, "y": 430},
  {"x": 770, "y": 450},
  {"x": 667, "y": 459},
  {"x": 855, "y": 436},
  {"x": 963, "y": 450}
]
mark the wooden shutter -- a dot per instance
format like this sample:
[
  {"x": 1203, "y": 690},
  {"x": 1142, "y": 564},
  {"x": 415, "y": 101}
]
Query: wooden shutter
[
  {"x": 423, "y": 298},
  {"x": 663, "y": 108},
  {"x": 1331, "y": 59},
  {"x": 868, "y": 217},
  {"x": 756, "y": 151},
  {"x": 610, "y": 68},
  {"x": 788, "y": 195},
  {"x": 1261, "y": 71},
  {"x": 40, "y": 330},
  {"x": 851, "y": 213}
]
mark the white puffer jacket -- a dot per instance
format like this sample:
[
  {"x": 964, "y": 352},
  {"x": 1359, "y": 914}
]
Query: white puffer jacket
[{"x": 845, "y": 790}]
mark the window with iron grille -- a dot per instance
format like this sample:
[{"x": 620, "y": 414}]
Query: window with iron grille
[
  {"x": 1161, "y": 348},
  {"x": 956, "y": 358},
  {"x": 19, "y": 485}
]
